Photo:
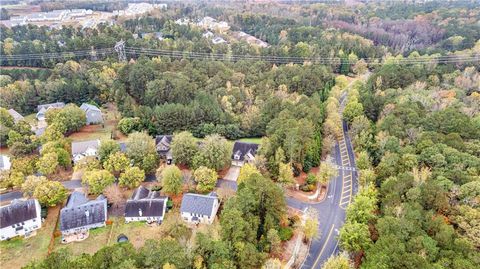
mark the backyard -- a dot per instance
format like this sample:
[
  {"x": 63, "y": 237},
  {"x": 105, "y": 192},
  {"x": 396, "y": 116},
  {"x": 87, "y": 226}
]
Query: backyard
[{"x": 33, "y": 248}]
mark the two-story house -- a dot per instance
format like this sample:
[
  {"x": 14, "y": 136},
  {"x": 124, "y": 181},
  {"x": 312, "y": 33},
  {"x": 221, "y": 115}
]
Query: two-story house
[
  {"x": 20, "y": 218},
  {"x": 145, "y": 205},
  {"x": 199, "y": 208}
]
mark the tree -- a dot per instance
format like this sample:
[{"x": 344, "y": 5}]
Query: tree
[
  {"x": 285, "y": 174},
  {"x": 310, "y": 226},
  {"x": 272, "y": 264},
  {"x": 246, "y": 171},
  {"x": 184, "y": 147},
  {"x": 206, "y": 179},
  {"x": 71, "y": 117},
  {"x": 337, "y": 262},
  {"x": 132, "y": 177},
  {"x": 352, "y": 110},
  {"x": 50, "y": 193},
  {"x": 31, "y": 183},
  {"x": 172, "y": 180},
  {"x": 275, "y": 242},
  {"x": 214, "y": 153},
  {"x": 354, "y": 236},
  {"x": 326, "y": 172},
  {"x": 116, "y": 163},
  {"x": 48, "y": 163},
  {"x": 107, "y": 148},
  {"x": 97, "y": 180},
  {"x": 114, "y": 194},
  {"x": 470, "y": 193},
  {"x": 156, "y": 252},
  {"x": 88, "y": 163},
  {"x": 129, "y": 125},
  {"x": 141, "y": 150}
]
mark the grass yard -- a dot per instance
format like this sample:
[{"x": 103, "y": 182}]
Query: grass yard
[
  {"x": 96, "y": 240},
  {"x": 19, "y": 251},
  {"x": 256, "y": 140}
]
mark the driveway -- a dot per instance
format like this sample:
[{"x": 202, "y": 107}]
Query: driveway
[{"x": 232, "y": 173}]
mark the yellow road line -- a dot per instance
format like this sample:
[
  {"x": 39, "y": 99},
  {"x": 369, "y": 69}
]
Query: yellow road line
[{"x": 323, "y": 247}]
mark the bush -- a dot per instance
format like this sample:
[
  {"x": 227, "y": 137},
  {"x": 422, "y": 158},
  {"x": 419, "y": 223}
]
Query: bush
[
  {"x": 285, "y": 233},
  {"x": 307, "y": 187},
  {"x": 311, "y": 179}
]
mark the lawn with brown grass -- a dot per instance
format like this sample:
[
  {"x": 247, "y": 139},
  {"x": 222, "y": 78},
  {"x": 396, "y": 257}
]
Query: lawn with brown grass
[{"x": 19, "y": 251}]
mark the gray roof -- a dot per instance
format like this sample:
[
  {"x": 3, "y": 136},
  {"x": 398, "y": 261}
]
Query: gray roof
[
  {"x": 16, "y": 212},
  {"x": 198, "y": 203},
  {"x": 81, "y": 147},
  {"x": 80, "y": 211},
  {"x": 244, "y": 148},
  {"x": 16, "y": 116},
  {"x": 86, "y": 107},
  {"x": 150, "y": 203},
  {"x": 54, "y": 105}
]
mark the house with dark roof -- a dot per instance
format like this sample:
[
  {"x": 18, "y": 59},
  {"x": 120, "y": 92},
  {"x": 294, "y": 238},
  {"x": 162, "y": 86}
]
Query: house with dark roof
[
  {"x": 15, "y": 115},
  {"x": 42, "y": 109},
  {"x": 199, "y": 208},
  {"x": 83, "y": 149},
  {"x": 162, "y": 144},
  {"x": 5, "y": 163},
  {"x": 145, "y": 205},
  {"x": 243, "y": 152},
  {"x": 20, "y": 218},
  {"x": 81, "y": 214},
  {"x": 93, "y": 114}
]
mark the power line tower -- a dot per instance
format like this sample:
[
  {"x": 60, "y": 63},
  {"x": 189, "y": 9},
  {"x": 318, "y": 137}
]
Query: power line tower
[{"x": 120, "y": 49}]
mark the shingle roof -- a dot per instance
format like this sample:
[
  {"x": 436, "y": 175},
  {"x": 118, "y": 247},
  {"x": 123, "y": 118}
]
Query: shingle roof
[
  {"x": 244, "y": 148},
  {"x": 81, "y": 147},
  {"x": 149, "y": 203},
  {"x": 16, "y": 116},
  {"x": 86, "y": 107},
  {"x": 198, "y": 204},
  {"x": 16, "y": 212},
  {"x": 54, "y": 105},
  {"x": 80, "y": 211}
]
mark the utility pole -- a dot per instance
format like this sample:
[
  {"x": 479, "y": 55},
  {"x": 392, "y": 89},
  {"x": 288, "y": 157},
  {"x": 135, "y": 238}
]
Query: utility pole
[{"x": 120, "y": 49}]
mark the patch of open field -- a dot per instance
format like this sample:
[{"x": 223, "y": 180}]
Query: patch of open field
[
  {"x": 256, "y": 140},
  {"x": 19, "y": 251}
]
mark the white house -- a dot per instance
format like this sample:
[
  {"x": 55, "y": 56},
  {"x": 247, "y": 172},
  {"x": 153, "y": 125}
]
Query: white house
[
  {"x": 145, "y": 205},
  {"x": 243, "y": 153},
  {"x": 198, "y": 208},
  {"x": 42, "y": 109},
  {"x": 84, "y": 148},
  {"x": 92, "y": 113},
  {"x": 5, "y": 163},
  {"x": 20, "y": 218}
]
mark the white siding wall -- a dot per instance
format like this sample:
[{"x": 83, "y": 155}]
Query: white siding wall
[{"x": 27, "y": 226}]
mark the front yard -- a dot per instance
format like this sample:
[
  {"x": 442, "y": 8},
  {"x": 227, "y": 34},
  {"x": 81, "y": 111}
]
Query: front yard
[{"x": 19, "y": 251}]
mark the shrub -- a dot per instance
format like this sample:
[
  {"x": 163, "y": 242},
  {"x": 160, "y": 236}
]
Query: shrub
[{"x": 285, "y": 233}]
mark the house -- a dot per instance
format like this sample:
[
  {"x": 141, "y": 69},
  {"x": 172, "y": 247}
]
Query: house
[
  {"x": 5, "y": 163},
  {"x": 20, "y": 218},
  {"x": 243, "y": 152},
  {"x": 93, "y": 114},
  {"x": 145, "y": 205},
  {"x": 80, "y": 215},
  {"x": 84, "y": 148},
  {"x": 42, "y": 109},
  {"x": 162, "y": 144},
  {"x": 15, "y": 115},
  {"x": 199, "y": 208}
]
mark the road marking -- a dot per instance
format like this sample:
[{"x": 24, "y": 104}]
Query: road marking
[{"x": 323, "y": 247}]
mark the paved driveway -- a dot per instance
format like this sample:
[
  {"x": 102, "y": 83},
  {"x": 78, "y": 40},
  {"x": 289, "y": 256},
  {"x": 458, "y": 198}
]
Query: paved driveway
[{"x": 232, "y": 173}]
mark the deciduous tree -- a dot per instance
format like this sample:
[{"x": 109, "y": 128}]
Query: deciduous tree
[
  {"x": 97, "y": 180},
  {"x": 172, "y": 180},
  {"x": 206, "y": 178}
]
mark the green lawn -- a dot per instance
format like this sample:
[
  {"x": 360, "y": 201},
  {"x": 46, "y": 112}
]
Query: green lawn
[{"x": 256, "y": 140}]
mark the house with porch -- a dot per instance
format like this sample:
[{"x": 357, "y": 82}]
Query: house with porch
[
  {"x": 243, "y": 152},
  {"x": 20, "y": 218},
  {"x": 84, "y": 149},
  {"x": 199, "y": 208},
  {"x": 80, "y": 215},
  {"x": 162, "y": 144},
  {"x": 145, "y": 205}
]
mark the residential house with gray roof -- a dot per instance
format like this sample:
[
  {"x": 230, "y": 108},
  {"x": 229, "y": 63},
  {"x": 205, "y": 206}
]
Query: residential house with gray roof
[
  {"x": 83, "y": 149},
  {"x": 42, "y": 109},
  {"x": 93, "y": 114},
  {"x": 145, "y": 205},
  {"x": 81, "y": 214},
  {"x": 15, "y": 115},
  {"x": 199, "y": 208},
  {"x": 162, "y": 144},
  {"x": 243, "y": 152},
  {"x": 20, "y": 218}
]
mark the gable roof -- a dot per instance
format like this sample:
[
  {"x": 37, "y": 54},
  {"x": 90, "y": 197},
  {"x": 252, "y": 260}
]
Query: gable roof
[
  {"x": 164, "y": 140},
  {"x": 81, "y": 147},
  {"x": 86, "y": 107},
  {"x": 244, "y": 148},
  {"x": 18, "y": 211},
  {"x": 198, "y": 203},
  {"x": 80, "y": 211},
  {"x": 149, "y": 203},
  {"x": 52, "y": 105},
  {"x": 16, "y": 116}
]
